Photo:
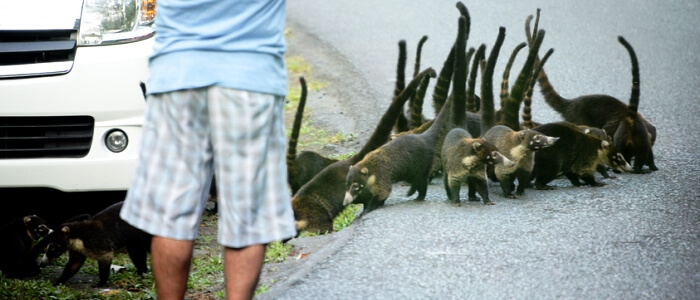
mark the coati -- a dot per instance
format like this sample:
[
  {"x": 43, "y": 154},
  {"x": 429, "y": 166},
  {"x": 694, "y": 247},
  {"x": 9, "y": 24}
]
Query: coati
[
  {"x": 614, "y": 158},
  {"x": 320, "y": 200},
  {"x": 576, "y": 155},
  {"x": 520, "y": 147},
  {"x": 16, "y": 255},
  {"x": 464, "y": 160},
  {"x": 98, "y": 237},
  {"x": 301, "y": 168},
  {"x": 409, "y": 158},
  {"x": 632, "y": 134}
]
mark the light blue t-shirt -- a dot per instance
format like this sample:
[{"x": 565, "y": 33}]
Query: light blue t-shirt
[{"x": 232, "y": 43}]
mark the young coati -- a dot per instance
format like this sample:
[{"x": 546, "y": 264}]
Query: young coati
[
  {"x": 576, "y": 155},
  {"x": 17, "y": 258},
  {"x": 520, "y": 147},
  {"x": 320, "y": 200},
  {"x": 632, "y": 134},
  {"x": 98, "y": 237},
  {"x": 301, "y": 168},
  {"x": 464, "y": 160}
]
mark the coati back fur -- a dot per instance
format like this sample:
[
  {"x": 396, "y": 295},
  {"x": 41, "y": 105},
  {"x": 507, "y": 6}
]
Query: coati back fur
[
  {"x": 520, "y": 147},
  {"x": 99, "y": 238},
  {"x": 16, "y": 255},
  {"x": 464, "y": 160},
  {"x": 301, "y": 168},
  {"x": 632, "y": 134},
  {"x": 576, "y": 155},
  {"x": 320, "y": 200}
]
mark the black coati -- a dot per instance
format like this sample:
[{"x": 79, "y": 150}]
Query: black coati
[
  {"x": 301, "y": 168},
  {"x": 575, "y": 154},
  {"x": 407, "y": 158},
  {"x": 99, "y": 237},
  {"x": 464, "y": 160},
  {"x": 320, "y": 200},
  {"x": 17, "y": 258},
  {"x": 632, "y": 134},
  {"x": 520, "y": 147}
]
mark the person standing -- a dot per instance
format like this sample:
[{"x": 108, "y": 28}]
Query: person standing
[{"x": 215, "y": 105}]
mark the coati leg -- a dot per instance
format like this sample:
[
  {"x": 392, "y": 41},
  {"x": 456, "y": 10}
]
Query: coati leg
[
  {"x": 573, "y": 178},
  {"x": 523, "y": 177},
  {"x": 103, "y": 265},
  {"x": 590, "y": 180},
  {"x": 138, "y": 255},
  {"x": 507, "y": 185},
  {"x": 542, "y": 179},
  {"x": 478, "y": 185},
  {"x": 452, "y": 188},
  {"x": 75, "y": 262}
]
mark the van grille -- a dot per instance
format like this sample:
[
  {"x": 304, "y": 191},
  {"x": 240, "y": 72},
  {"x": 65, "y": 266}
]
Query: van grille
[
  {"x": 45, "y": 137},
  {"x": 26, "y": 53}
]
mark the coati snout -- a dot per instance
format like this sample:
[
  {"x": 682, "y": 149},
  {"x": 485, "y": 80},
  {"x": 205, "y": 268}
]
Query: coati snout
[
  {"x": 356, "y": 181},
  {"x": 619, "y": 163},
  {"x": 497, "y": 158},
  {"x": 540, "y": 141}
]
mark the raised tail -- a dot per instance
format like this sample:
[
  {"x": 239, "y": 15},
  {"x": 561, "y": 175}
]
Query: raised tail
[
  {"x": 527, "y": 102},
  {"x": 382, "y": 131},
  {"x": 473, "y": 73},
  {"x": 401, "y": 122},
  {"x": 417, "y": 117},
  {"x": 294, "y": 138},
  {"x": 419, "y": 50},
  {"x": 506, "y": 75},
  {"x": 459, "y": 78},
  {"x": 634, "y": 97},
  {"x": 487, "y": 109}
]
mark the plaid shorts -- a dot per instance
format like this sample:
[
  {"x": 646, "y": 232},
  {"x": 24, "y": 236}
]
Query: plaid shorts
[{"x": 186, "y": 136}]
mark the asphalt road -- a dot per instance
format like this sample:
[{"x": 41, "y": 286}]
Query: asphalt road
[{"x": 637, "y": 237}]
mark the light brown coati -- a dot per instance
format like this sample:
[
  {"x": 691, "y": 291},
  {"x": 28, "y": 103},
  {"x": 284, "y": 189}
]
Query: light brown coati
[
  {"x": 401, "y": 121},
  {"x": 464, "y": 160},
  {"x": 520, "y": 147},
  {"x": 301, "y": 168},
  {"x": 527, "y": 101},
  {"x": 320, "y": 200},
  {"x": 632, "y": 134},
  {"x": 575, "y": 154}
]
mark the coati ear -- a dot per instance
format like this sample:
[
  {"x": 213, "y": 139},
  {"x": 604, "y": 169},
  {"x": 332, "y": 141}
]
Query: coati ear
[
  {"x": 364, "y": 171},
  {"x": 476, "y": 146},
  {"x": 604, "y": 144},
  {"x": 521, "y": 134},
  {"x": 587, "y": 131},
  {"x": 65, "y": 229},
  {"x": 27, "y": 219}
]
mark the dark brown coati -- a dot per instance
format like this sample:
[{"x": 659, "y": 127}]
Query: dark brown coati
[
  {"x": 401, "y": 121},
  {"x": 520, "y": 147},
  {"x": 301, "y": 168},
  {"x": 17, "y": 258},
  {"x": 576, "y": 155},
  {"x": 632, "y": 134},
  {"x": 614, "y": 159},
  {"x": 464, "y": 160},
  {"x": 99, "y": 237},
  {"x": 407, "y": 158},
  {"x": 527, "y": 101},
  {"x": 320, "y": 200}
]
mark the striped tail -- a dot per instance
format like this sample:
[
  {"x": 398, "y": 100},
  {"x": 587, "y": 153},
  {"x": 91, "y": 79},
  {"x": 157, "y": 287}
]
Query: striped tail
[
  {"x": 634, "y": 97},
  {"x": 506, "y": 75},
  {"x": 294, "y": 138},
  {"x": 487, "y": 108},
  {"x": 527, "y": 102},
  {"x": 401, "y": 124}
]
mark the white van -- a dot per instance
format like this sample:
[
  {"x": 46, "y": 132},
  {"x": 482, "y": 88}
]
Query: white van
[{"x": 72, "y": 92}]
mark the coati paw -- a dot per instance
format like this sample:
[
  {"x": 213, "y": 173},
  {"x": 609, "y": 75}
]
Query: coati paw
[
  {"x": 545, "y": 187},
  {"x": 510, "y": 196},
  {"x": 597, "y": 184},
  {"x": 489, "y": 202},
  {"x": 474, "y": 199}
]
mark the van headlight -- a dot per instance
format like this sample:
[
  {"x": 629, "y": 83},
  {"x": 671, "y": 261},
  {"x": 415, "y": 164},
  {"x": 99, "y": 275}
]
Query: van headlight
[{"x": 106, "y": 22}]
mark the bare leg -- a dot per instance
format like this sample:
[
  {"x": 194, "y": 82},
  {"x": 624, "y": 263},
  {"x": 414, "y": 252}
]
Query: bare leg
[
  {"x": 242, "y": 270},
  {"x": 171, "y": 261}
]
